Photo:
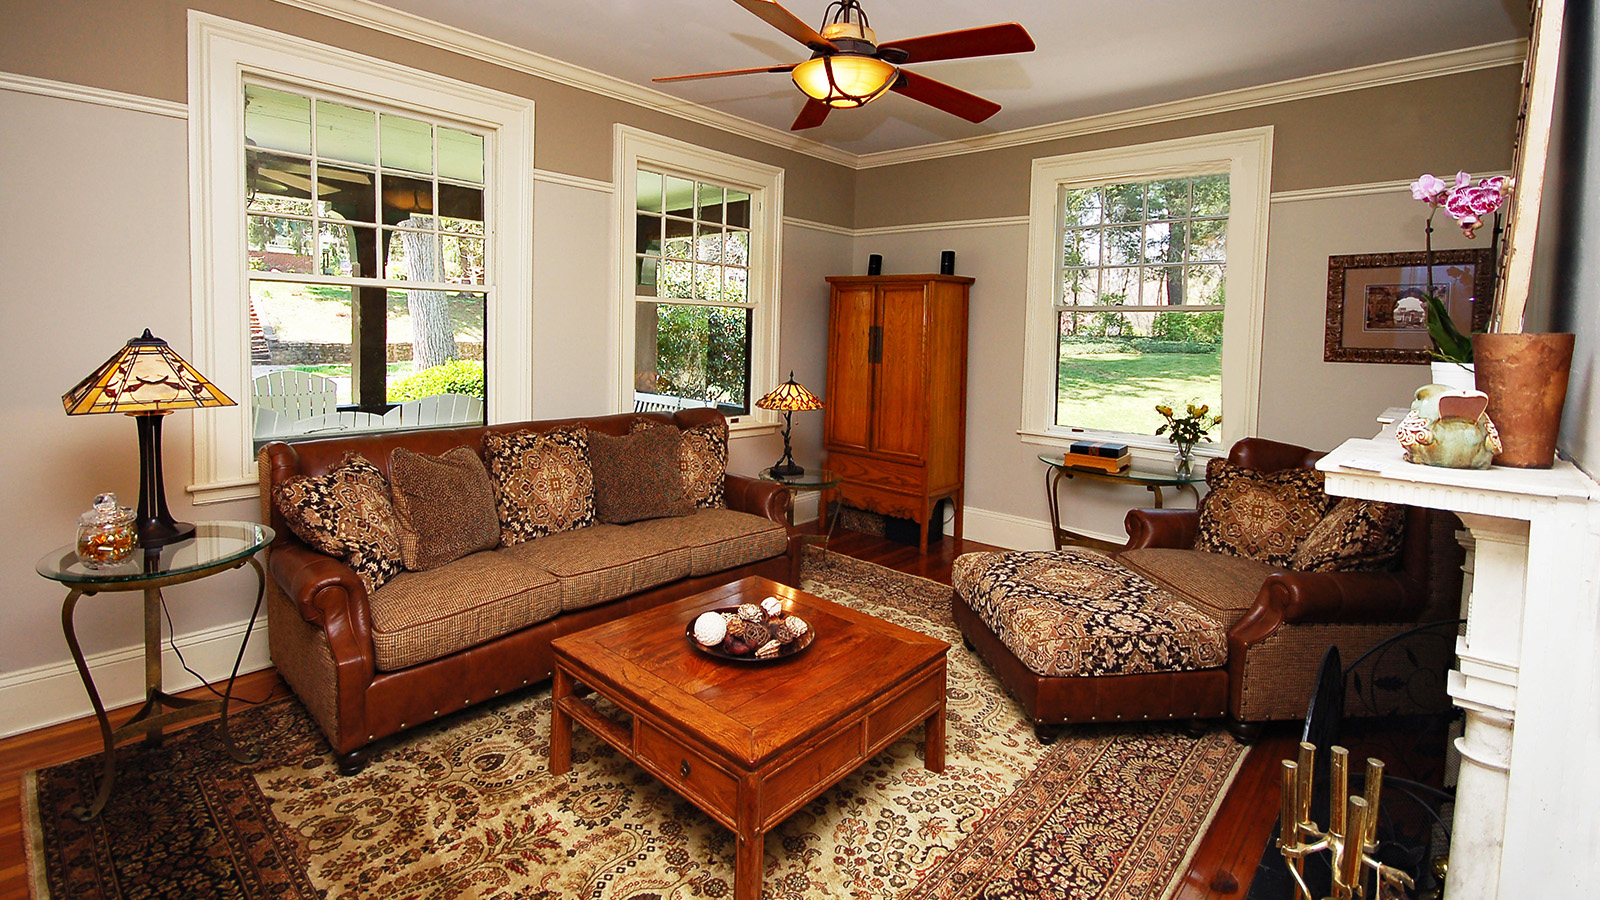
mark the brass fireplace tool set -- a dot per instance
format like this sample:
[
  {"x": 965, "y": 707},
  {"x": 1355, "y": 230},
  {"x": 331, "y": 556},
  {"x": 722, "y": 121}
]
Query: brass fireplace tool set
[{"x": 1351, "y": 838}]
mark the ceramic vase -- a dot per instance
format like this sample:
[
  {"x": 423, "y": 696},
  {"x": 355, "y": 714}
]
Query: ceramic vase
[
  {"x": 1460, "y": 376},
  {"x": 1525, "y": 376}
]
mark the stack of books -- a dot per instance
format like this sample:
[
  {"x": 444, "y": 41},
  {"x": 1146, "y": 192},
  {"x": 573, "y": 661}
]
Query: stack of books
[{"x": 1103, "y": 455}]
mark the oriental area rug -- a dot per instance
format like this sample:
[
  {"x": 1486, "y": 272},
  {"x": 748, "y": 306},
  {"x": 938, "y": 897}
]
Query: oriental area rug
[{"x": 465, "y": 807}]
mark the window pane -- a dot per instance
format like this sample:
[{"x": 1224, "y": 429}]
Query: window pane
[
  {"x": 343, "y": 248},
  {"x": 698, "y": 354},
  {"x": 279, "y": 245},
  {"x": 1124, "y": 203},
  {"x": 1124, "y": 245},
  {"x": 1119, "y": 286},
  {"x": 276, "y": 183},
  {"x": 1163, "y": 286},
  {"x": 647, "y": 237},
  {"x": 680, "y": 197},
  {"x": 275, "y": 120},
  {"x": 346, "y": 133},
  {"x": 735, "y": 285},
  {"x": 710, "y": 203},
  {"x": 644, "y": 276},
  {"x": 1081, "y": 248},
  {"x": 1080, "y": 287},
  {"x": 1209, "y": 240},
  {"x": 435, "y": 347},
  {"x": 460, "y": 155},
  {"x": 1205, "y": 284},
  {"x": 736, "y": 249},
  {"x": 463, "y": 259},
  {"x": 738, "y": 208},
  {"x": 1113, "y": 368},
  {"x": 407, "y": 144},
  {"x": 457, "y": 202},
  {"x": 1164, "y": 241},
  {"x": 303, "y": 328},
  {"x": 1168, "y": 199},
  {"x": 1211, "y": 195},
  {"x": 346, "y": 193},
  {"x": 708, "y": 246},
  {"x": 680, "y": 238},
  {"x": 1080, "y": 208},
  {"x": 407, "y": 201},
  {"x": 675, "y": 279},
  {"x": 707, "y": 282},
  {"x": 648, "y": 187}
]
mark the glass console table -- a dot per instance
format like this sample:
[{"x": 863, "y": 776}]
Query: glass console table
[
  {"x": 215, "y": 547},
  {"x": 1150, "y": 479}
]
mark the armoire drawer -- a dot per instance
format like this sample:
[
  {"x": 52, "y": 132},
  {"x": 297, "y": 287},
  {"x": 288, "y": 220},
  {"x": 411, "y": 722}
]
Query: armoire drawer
[{"x": 880, "y": 473}]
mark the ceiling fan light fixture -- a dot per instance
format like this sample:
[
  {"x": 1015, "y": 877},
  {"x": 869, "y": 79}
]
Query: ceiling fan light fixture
[{"x": 845, "y": 80}]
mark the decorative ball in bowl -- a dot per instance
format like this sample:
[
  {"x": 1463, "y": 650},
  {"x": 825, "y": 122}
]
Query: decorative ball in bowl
[{"x": 750, "y": 632}]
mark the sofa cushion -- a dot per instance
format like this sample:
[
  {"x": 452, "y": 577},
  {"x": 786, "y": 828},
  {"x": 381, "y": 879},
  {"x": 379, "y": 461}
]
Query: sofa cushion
[
  {"x": 542, "y": 481},
  {"x": 420, "y": 616},
  {"x": 1355, "y": 536},
  {"x": 1221, "y": 586},
  {"x": 719, "y": 539},
  {"x": 444, "y": 504},
  {"x": 604, "y": 562},
  {"x": 636, "y": 475},
  {"x": 703, "y": 460},
  {"x": 1075, "y": 612},
  {"x": 1260, "y": 515},
  {"x": 346, "y": 513}
]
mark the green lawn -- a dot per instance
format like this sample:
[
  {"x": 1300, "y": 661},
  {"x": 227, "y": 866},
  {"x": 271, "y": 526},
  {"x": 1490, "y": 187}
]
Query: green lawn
[{"x": 1118, "y": 391}]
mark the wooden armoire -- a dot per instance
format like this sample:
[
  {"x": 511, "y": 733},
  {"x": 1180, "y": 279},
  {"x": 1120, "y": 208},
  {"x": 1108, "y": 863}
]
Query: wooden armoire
[{"x": 896, "y": 414}]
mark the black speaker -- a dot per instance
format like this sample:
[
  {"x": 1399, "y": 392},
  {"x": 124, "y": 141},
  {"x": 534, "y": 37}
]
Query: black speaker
[
  {"x": 905, "y": 531},
  {"x": 875, "y": 264},
  {"x": 947, "y": 262}
]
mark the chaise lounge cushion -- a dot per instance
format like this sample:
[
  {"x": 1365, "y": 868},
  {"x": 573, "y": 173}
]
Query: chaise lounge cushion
[
  {"x": 1074, "y": 612},
  {"x": 419, "y": 616},
  {"x": 444, "y": 504},
  {"x": 1221, "y": 586},
  {"x": 1259, "y": 515},
  {"x": 719, "y": 539},
  {"x": 603, "y": 562}
]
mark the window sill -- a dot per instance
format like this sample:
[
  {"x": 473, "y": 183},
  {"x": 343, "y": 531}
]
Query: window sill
[
  {"x": 1143, "y": 447},
  {"x": 751, "y": 428}
]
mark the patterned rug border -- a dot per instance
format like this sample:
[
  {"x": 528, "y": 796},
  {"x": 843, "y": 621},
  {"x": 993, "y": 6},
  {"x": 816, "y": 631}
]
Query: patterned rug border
[
  {"x": 33, "y": 836},
  {"x": 1205, "y": 825}
]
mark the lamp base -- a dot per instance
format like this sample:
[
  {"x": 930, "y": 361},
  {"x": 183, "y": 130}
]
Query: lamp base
[
  {"x": 158, "y": 533},
  {"x": 786, "y": 471},
  {"x": 157, "y": 528}
]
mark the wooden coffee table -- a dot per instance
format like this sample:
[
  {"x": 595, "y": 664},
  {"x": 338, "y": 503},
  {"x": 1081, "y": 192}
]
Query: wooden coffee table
[{"x": 750, "y": 743}]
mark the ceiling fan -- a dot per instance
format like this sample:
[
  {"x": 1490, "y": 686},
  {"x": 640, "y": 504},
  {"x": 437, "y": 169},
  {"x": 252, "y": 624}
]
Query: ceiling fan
[{"x": 848, "y": 68}]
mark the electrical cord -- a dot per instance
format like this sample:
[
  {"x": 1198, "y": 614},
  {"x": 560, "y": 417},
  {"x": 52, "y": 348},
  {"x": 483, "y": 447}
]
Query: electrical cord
[{"x": 173, "y": 643}]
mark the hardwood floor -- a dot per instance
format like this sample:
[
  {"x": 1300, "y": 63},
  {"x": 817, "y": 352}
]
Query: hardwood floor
[{"x": 1220, "y": 870}]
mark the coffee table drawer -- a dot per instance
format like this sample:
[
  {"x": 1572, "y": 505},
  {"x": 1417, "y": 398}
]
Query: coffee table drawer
[{"x": 688, "y": 772}]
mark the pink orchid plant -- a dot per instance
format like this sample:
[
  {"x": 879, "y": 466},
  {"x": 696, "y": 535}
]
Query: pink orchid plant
[{"x": 1468, "y": 204}]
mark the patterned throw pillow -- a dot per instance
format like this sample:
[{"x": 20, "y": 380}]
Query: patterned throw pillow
[
  {"x": 542, "y": 481},
  {"x": 1259, "y": 515},
  {"x": 703, "y": 460},
  {"x": 636, "y": 476},
  {"x": 1355, "y": 536},
  {"x": 346, "y": 513},
  {"x": 444, "y": 504}
]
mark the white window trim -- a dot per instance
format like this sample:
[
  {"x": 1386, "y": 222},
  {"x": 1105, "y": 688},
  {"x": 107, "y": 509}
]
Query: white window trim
[
  {"x": 1247, "y": 157},
  {"x": 632, "y": 147},
  {"x": 221, "y": 54}
]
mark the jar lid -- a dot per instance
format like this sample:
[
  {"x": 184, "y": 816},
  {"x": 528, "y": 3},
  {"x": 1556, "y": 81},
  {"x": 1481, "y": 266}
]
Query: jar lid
[{"x": 106, "y": 512}]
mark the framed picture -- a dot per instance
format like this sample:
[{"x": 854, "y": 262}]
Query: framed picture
[{"x": 1377, "y": 306}]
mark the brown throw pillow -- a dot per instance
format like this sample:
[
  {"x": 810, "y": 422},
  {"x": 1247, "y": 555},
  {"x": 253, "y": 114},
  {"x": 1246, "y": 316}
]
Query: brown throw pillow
[
  {"x": 542, "y": 481},
  {"x": 445, "y": 506},
  {"x": 636, "y": 476},
  {"x": 1258, "y": 515},
  {"x": 1355, "y": 536},
  {"x": 346, "y": 513},
  {"x": 703, "y": 461}
]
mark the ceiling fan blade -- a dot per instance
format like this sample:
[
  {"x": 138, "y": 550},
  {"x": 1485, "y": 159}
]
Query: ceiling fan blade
[
  {"x": 811, "y": 115},
  {"x": 942, "y": 96},
  {"x": 785, "y": 68},
  {"x": 786, "y": 22},
  {"x": 989, "y": 40}
]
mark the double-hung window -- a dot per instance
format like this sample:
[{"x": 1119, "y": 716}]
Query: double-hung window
[
  {"x": 1146, "y": 275},
  {"x": 700, "y": 272}
]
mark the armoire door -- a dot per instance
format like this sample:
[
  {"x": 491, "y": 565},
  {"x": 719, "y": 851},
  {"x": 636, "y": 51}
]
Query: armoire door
[
  {"x": 900, "y": 406},
  {"x": 849, "y": 398}
]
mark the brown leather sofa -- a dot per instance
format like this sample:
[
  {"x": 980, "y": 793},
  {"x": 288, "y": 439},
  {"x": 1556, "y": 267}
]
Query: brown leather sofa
[{"x": 321, "y": 628}]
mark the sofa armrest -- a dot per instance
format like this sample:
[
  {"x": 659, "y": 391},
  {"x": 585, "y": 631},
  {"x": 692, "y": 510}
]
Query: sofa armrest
[
  {"x": 1329, "y": 598},
  {"x": 330, "y": 595},
  {"x": 767, "y": 499},
  {"x": 1173, "y": 529}
]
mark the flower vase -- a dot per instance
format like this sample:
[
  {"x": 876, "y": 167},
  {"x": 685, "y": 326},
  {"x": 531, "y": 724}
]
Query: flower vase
[{"x": 1183, "y": 461}]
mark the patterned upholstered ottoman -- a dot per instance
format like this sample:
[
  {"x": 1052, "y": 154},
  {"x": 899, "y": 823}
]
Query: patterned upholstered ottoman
[{"x": 1077, "y": 637}]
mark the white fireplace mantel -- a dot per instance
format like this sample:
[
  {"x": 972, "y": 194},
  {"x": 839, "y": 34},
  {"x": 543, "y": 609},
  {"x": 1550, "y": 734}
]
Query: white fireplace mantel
[{"x": 1527, "y": 818}]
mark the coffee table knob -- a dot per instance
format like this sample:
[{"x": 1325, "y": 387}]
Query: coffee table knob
[{"x": 683, "y": 768}]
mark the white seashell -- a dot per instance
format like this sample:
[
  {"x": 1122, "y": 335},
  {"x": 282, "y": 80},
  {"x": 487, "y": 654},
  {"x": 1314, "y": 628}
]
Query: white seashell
[
  {"x": 750, "y": 612},
  {"x": 767, "y": 650},
  {"x": 710, "y": 629},
  {"x": 772, "y": 606},
  {"x": 797, "y": 626}
]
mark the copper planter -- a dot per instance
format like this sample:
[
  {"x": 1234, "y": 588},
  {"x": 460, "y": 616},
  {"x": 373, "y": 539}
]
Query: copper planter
[{"x": 1525, "y": 376}]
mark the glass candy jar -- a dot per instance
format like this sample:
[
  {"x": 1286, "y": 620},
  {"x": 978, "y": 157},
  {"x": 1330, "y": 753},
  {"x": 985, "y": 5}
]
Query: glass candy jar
[{"x": 106, "y": 533}]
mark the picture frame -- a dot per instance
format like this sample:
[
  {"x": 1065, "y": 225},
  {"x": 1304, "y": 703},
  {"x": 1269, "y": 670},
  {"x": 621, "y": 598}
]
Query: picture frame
[{"x": 1376, "y": 307}]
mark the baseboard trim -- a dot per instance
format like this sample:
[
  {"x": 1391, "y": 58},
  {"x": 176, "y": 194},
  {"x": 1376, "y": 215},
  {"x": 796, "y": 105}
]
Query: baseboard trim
[
  {"x": 53, "y": 693},
  {"x": 1015, "y": 532}
]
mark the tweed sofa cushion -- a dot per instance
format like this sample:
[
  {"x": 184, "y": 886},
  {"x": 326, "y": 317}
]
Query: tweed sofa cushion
[
  {"x": 542, "y": 481},
  {"x": 1075, "y": 612},
  {"x": 603, "y": 562},
  {"x": 445, "y": 506},
  {"x": 719, "y": 539},
  {"x": 703, "y": 461},
  {"x": 1261, "y": 515},
  {"x": 346, "y": 513},
  {"x": 1221, "y": 586},
  {"x": 1355, "y": 536},
  {"x": 420, "y": 616},
  {"x": 636, "y": 475}
]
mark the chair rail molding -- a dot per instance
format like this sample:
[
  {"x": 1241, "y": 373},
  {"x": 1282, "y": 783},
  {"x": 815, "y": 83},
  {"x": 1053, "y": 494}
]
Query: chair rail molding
[{"x": 1528, "y": 664}]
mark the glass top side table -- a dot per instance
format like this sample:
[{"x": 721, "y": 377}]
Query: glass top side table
[
  {"x": 820, "y": 480},
  {"x": 1150, "y": 479},
  {"x": 215, "y": 547}
]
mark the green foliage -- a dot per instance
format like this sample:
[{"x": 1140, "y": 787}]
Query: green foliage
[
  {"x": 1451, "y": 344},
  {"x": 459, "y": 376},
  {"x": 700, "y": 352}
]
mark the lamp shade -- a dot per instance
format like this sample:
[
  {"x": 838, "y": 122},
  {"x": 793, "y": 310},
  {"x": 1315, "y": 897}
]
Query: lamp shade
[
  {"x": 791, "y": 396},
  {"x": 145, "y": 376},
  {"x": 844, "y": 80}
]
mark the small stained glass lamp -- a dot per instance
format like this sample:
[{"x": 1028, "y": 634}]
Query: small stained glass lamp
[
  {"x": 147, "y": 380},
  {"x": 789, "y": 397}
]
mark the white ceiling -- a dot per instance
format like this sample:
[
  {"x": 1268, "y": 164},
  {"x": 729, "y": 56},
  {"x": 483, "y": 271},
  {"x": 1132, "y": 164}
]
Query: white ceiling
[{"x": 1093, "y": 56}]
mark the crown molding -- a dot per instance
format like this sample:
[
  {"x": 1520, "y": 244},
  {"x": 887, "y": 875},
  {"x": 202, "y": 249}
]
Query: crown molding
[
  {"x": 1366, "y": 189},
  {"x": 62, "y": 90},
  {"x": 368, "y": 14},
  {"x": 1450, "y": 62}
]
